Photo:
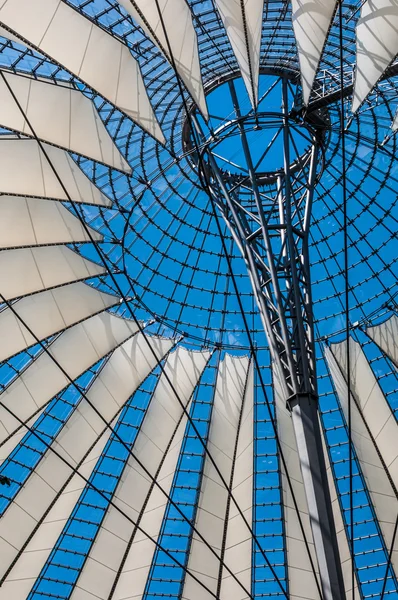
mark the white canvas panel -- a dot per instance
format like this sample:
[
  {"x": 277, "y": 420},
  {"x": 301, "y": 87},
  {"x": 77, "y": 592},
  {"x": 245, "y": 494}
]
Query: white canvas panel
[
  {"x": 47, "y": 313},
  {"x": 134, "y": 575},
  {"x": 385, "y": 336},
  {"x": 238, "y": 544},
  {"x": 243, "y": 24},
  {"x": 213, "y": 499},
  {"x": 34, "y": 221},
  {"x": 121, "y": 376},
  {"x": 372, "y": 403},
  {"x": 311, "y": 21},
  {"x": 380, "y": 489},
  {"x": 181, "y": 36},
  {"x": 302, "y": 582},
  {"x": 25, "y": 157},
  {"x": 86, "y": 51},
  {"x": 24, "y": 271},
  {"x": 377, "y": 45},
  {"x": 59, "y": 115},
  {"x": 160, "y": 436},
  {"x": 75, "y": 351}
]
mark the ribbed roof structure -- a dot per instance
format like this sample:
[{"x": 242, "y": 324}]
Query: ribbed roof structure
[{"x": 198, "y": 271}]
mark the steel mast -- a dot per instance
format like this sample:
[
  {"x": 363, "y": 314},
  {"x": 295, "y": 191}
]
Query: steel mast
[{"x": 271, "y": 231}]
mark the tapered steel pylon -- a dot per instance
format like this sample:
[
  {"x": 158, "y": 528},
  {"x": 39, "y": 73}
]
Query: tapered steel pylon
[{"x": 269, "y": 215}]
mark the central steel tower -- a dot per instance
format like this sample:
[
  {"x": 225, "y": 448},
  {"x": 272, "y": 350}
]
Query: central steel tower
[{"x": 268, "y": 213}]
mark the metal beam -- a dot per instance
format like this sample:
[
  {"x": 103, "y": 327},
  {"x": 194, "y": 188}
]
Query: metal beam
[{"x": 333, "y": 97}]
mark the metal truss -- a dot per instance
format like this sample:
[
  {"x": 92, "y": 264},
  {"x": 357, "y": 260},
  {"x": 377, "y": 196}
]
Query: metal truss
[{"x": 268, "y": 215}]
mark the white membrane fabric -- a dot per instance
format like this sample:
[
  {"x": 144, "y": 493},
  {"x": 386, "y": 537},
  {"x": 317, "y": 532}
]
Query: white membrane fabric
[
  {"x": 181, "y": 37},
  {"x": 377, "y": 45},
  {"x": 382, "y": 494},
  {"x": 75, "y": 350},
  {"x": 59, "y": 115},
  {"x": 342, "y": 541},
  {"x": 42, "y": 315},
  {"x": 243, "y": 21},
  {"x": 85, "y": 50},
  {"x": 385, "y": 336},
  {"x": 24, "y": 271},
  {"x": 27, "y": 222},
  {"x": 51, "y": 173},
  {"x": 311, "y": 21},
  {"x": 215, "y": 510}
]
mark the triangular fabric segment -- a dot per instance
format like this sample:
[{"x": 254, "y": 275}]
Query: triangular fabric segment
[
  {"x": 238, "y": 543},
  {"x": 181, "y": 36},
  {"x": 47, "y": 313},
  {"x": 214, "y": 503},
  {"x": 85, "y": 50},
  {"x": 243, "y": 20},
  {"x": 385, "y": 335},
  {"x": 75, "y": 351},
  {"x": 372, "y": 403},
  {"x": 311, "y": 21},
  {"x": 59, "y": 115},
  {"x": 377, "y": 45},
  {"x": 35, "y": 222},
  {"x": 24, "y": 271},
  {"x": 378, "y": 483},
  {"x": 25, "y": 170}
]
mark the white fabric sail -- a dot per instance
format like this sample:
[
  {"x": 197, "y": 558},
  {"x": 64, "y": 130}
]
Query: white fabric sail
[
  {"x": 238, "y": 543},
  {"x": 35, "y": 221},
  {"x": 385, "y": 336},
  {"x": 18, "y": 583},
  {"x": 75, "y": 350},
  {"x": 376, "y": 412},
  {"x": 214, "y": 503},
  {"x": 311, "y": 21},
  {"x": 24, "y": 271},
  {"x": 377, "y": 45},
  {"x": 85, "y": 50},
  {"x": 300, "y": 572},
  {"x": 47, "y": 313},
  {"x": 181, "y": 36},
  {"x": 243, "y": 20},
  {"x": 59, "y": 115},
  {"x": 379, "y": 485},
  {"x": 26, "y": 157},
  {"x": 122, "y": 555},
  {"x": 116, "y": 382}
]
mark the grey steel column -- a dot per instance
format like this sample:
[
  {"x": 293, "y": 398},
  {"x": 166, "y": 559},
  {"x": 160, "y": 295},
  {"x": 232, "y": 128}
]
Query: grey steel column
[{"x": 275, "y": 250}]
